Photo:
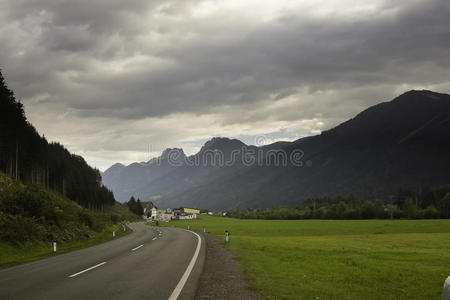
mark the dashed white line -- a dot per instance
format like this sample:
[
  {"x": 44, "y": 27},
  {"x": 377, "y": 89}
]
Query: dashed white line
[
  {"x": 154, "y": 238},
  {"x": 134, "y": 249},
  {"x": 88, "y": 269},
  {"x": 176, "y": 292}
]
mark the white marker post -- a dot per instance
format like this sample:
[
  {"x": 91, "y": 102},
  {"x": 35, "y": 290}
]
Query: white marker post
[
  {"x": 123, "y": 227},
  {"x": 54, "y": 246},
  {"x": 204, "y": 229},
  {"x": 114, "y": 233},
  {"x": 189, "y": 227},
  {"x": 227, "y": 236}
]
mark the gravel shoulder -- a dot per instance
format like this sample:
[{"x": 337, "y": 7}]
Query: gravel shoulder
[{"x": 221, "y": 277}]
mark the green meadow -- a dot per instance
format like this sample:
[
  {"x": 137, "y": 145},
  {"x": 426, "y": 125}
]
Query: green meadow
[{"x": 337, "y": 259}]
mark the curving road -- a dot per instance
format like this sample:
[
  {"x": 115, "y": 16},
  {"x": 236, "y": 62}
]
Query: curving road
[{"x": 149, "y": 263}]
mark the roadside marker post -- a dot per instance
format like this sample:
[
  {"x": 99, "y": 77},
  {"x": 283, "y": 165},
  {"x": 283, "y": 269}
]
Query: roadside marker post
[
  {"x": 114, "y": 234},
  {"x": 123, "y": 227},
  {"x": 227, "y": 236},
  {"x": 54, "y": 246},
  {"x": 204, "y": 229},
  {"x": 189, "y": 227}
]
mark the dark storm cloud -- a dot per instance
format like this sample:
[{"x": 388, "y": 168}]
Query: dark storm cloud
[
  {"x": 203, "y": 72},
  {"x": 290, "y": 53},
  {"x": 130, "y": 60}
]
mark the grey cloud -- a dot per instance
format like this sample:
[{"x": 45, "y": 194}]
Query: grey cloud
[
  {"x": 274, "y": 58},
  {"x": 101, "y": 16},
  {"x": 337, "y": 54},
  {"x": 129, "y": 60}
]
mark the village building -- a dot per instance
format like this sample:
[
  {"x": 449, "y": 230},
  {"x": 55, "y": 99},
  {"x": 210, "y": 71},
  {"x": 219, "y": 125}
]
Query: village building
[
  {"x": 191, "y": 211},
  {"x": 185, "y": 213}
]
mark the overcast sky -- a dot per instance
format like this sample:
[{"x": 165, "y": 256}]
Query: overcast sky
[{"x": 112, "y": 79}]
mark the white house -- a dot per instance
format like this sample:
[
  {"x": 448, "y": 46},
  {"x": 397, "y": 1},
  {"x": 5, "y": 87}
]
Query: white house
[
  {"x": 154, "y": 213},
  {"x": 185, "y": 216}
]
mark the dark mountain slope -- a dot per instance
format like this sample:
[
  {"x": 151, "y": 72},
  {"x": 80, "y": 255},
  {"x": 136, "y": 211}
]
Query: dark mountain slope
[{"x": 404, "y": 143}]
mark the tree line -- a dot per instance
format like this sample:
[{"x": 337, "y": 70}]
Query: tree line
[
  {"x": 428, "y": 203},
  {"x": 30, "y": 158},
  {"x": 135, "y": 206}
]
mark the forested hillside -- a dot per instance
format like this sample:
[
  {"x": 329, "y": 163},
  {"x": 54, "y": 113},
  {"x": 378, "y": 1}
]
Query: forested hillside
[
  {"x": 48, "y": 194},
  {"x": 29, "y": 213},
  {"x": 27, "y": 156},
  {"x": 32, "y": 217}
]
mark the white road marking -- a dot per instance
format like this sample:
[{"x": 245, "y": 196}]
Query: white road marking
[
  {"x": 134, "y": 249},
  {"x": 154, "y": 238},
  {"x": 88, "y": 269},
  {"x": 176, "y": 292}
]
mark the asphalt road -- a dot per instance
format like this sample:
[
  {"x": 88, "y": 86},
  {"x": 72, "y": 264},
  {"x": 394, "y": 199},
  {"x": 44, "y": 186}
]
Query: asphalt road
[{"x": 119, "y": 269}]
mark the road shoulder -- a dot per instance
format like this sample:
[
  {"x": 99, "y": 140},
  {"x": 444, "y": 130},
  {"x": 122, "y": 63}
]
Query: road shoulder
[{"x": 221, "y": 278}]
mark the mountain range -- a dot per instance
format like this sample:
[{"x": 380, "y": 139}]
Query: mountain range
[{"x": 395, "y": 145}]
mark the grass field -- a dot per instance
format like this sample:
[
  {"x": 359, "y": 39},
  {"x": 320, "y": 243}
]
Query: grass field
[
  {"x": 337, "y": 259},
  {"x": 11, "y": 255}
]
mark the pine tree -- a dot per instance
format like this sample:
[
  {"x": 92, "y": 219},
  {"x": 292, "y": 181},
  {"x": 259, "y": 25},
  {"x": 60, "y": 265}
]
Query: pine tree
[
  {"x": 132, "y": 205},
  {"x": 140, "y": 209}
]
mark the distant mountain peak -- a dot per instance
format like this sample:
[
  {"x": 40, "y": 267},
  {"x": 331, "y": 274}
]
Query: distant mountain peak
[
  {"x": 420, "y": 92},
  {"x": 114, "y": 168},
  {"x": 169, "y": 151},
  {"x": 223, "y": 144},
  {"x": 117, "y": 165},
  {"x": 419, "y": 95}
]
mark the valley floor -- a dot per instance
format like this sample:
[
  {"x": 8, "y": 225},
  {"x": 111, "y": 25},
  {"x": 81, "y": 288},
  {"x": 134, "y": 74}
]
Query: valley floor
[{"x": 338, "y": 259}]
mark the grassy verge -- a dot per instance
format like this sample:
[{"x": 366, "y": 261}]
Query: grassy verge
[
  {"x": 16, "y": 254},
  {"x": 32, "y": 216},
  {"x": 327, "y": 259}
]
